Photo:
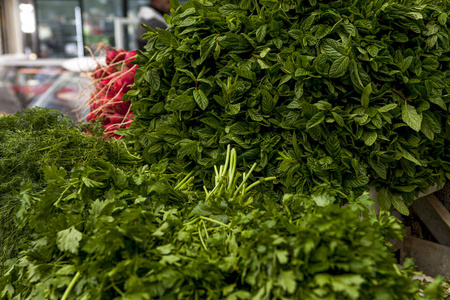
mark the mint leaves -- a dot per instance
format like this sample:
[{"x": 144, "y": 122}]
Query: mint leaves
[{"x": 374, "y": 74}]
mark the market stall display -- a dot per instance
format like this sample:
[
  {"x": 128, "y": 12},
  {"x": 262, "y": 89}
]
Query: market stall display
[{"x": 258, "y": 130}]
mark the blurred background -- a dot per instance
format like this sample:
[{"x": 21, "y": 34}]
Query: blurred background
[{"x": 46, "y": 46}]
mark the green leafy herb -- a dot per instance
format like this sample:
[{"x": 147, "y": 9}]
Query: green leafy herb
[{"x": 254, "y": 74}]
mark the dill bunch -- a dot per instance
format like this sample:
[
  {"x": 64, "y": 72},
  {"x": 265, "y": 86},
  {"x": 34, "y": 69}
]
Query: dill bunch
[{"x": 41, "y": 137}]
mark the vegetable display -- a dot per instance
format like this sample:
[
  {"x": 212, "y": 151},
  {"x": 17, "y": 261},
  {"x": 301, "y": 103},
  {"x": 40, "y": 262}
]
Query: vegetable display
[
  {"x": 348, "y": 93},
  {"x": 241, "y": 168}
]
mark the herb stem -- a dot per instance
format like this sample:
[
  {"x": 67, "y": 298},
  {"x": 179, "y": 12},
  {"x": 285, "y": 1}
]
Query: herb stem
[
  {"x": 62, "y": 194},
  {"x": 71, "y": 285},
  {"x": 401, "y": 95},
  {"x": 206, "y": 229},
  {"x": 192, "y": 222},
  {"x": 244, "y": 179},
  {"x": 179, "y": 185},
  {"x": 214, "y": 221},
  {"x": 201, "y": 239},
  {"x": 117, "y": 289},
  {"x": 258, "y": 182}
]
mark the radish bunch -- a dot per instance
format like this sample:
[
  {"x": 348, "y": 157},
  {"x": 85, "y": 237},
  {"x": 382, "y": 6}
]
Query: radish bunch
[{"x": 111, "y": 82}]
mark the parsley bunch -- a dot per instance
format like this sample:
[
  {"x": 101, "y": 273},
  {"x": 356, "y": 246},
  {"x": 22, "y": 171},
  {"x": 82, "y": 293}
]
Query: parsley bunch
[{"x": 104, "y": 233}]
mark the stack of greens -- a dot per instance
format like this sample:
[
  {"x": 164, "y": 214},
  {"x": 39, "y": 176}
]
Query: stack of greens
[
  {"x": 347, "y": 93},
  {"x": 102, "y": 233}
]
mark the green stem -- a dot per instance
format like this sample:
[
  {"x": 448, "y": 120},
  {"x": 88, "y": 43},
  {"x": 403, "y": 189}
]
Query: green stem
[
  {"x": 201, "y": 239},
  {"x": 192, "y": 222},
  {"x": 206, "y": 229},
  {"x": 227, "y": 159},
  {"x": 71, "y": 285},
  {"x": 117, "y": 289},
  {"x": 214, "y": 221},
  {"x": 258, "y": 182},
  {"x": 185, "y": 185},
  {"x": 62, "y": 194},
  {"x": 126, "y": 149},
  {"x": 244, "y": 179},
  {"x": 183, "y": 181},
  {"x": 232, "y": 169}
]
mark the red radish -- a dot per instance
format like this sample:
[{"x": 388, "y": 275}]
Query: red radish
[
  {"x": 115, "y": 118},
  {"x": 122, "y": 108},
  {"x": 111, "y": 56},
  {"x": 128, "y": 78},
  {"x": 91, "y": 116},
  {"x": 118, "y": 84},
  {"x": 111, "y": 83},
  {"x": 102, "y": 72},
  {"x": 121, "y": 55},
  {"x": 131, "y": 55}
]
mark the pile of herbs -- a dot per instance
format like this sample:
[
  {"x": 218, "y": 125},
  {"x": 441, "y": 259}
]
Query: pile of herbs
[
  {"x": 100, "y": 232},
  {"x": 34, "y": 139},
  {"x": 344, "y": 93}
]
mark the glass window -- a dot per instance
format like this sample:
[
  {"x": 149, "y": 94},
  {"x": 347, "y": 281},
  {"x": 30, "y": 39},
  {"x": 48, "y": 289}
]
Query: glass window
[
  {"x": 58, "y": 33},
  {"x": 98, "y": 21}
]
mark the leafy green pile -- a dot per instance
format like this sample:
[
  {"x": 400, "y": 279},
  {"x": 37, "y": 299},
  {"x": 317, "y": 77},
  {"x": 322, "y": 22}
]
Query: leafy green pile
[
  {"x": 346, "y": 93},
  {"x": 102, "y": 233},
  {"x": 34, "y": 139}
]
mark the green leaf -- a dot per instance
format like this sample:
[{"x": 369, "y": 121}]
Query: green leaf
[
  {"x": 154, "y": 80},
  {"x": 379, "y": 168},
  {"x": 330, "y": 48},
  {"x": 432, "y": 122},
  {"x": 409, "y": 156},
  {"x": 261, "y": 33},
  {"x": 298, "y": 90},
  {"x": 245, "y": 73},
  {"x": 365, "y": 95},
  {"x": 201, "y": 99},
  {"x": 233, "y": 109},
  {"x": 323, "y": 199},
  {"x": 387, "y": 107},
  {"x": 174, "y": 4},
  {"x": 384, "y": 199},
  {"x": 339, "y": 67},
  {"x": 438, "y": 101},
  {"x": 443, "y": 18},
  {"x": 284, "y": 79},
  {"x": 230, "y": 9},
  {"x": 255, "y": 115},
  {"x": 426, "y": 130},
  {"x": 405, "y": 188},
  {"x": 373, "y": 50},
  {"x": 287, "y": 281},
  {"x": 399, "y": 205},
  {"x": 411, "y": 117},
  {"x": 268, "y": 101},
  {"x": 317, "y": 119},
  {"x": 69, "y": 240},
  {"x": 370, "y": 137},
  {"x": 188, "y": 147},
  {"x": 338, "y": 118},
  {"x": 415, "y": 15},
  {"x": 360, "y": 180},
  {"x": 430, "y": 63}
]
